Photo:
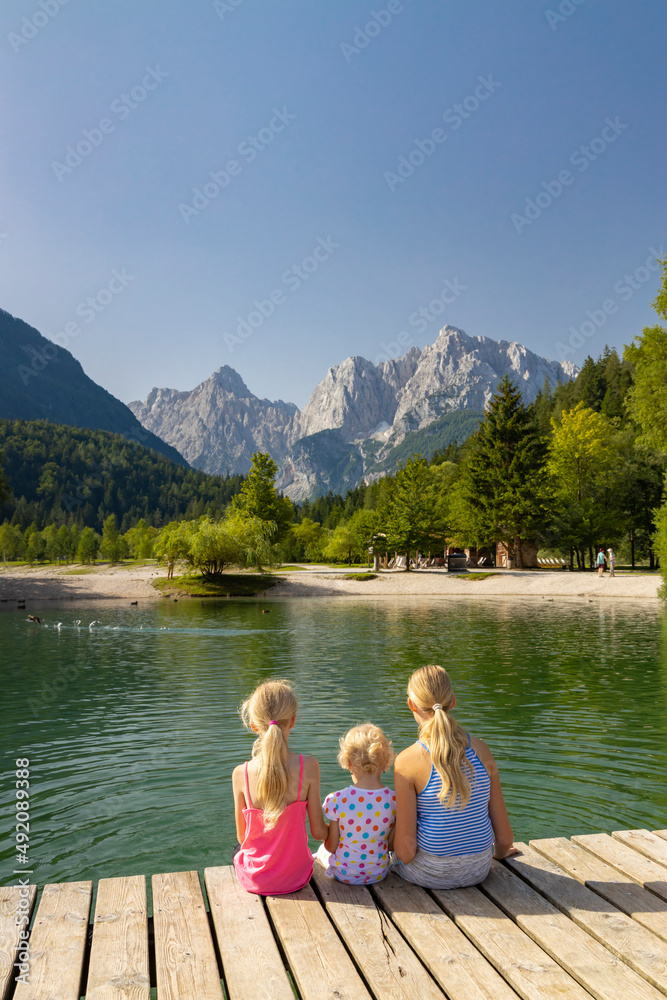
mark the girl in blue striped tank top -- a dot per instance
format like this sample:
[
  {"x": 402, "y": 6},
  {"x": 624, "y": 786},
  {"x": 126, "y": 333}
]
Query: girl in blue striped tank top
[{"x": 451, "y": 819}]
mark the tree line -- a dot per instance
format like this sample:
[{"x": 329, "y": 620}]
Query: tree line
[
  {"x": 580, "y": 467},
  {"x": 60, "y": 476}
]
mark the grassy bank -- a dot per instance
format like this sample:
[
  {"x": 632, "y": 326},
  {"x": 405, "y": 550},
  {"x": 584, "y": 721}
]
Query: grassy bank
[{"x": 225, "y": 585}]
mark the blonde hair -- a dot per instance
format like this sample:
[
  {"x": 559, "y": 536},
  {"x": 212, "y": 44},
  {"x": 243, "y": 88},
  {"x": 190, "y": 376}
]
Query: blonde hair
[
  {"x": 365, "y": 748},
  {"x": 431, "y": 691},
  {"x": 271, "y": 702}
]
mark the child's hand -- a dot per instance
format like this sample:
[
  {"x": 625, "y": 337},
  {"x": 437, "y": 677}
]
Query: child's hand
[{"x": 508, "y": 854}]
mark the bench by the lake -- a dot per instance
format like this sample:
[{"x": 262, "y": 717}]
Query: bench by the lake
[{"x": 566, "y": 919}]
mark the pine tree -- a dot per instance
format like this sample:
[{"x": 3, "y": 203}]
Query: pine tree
[
  {"x": 409, "y": 512},
  {"x": 258, "y": 496},
  {"x": 502, "y": 494}
]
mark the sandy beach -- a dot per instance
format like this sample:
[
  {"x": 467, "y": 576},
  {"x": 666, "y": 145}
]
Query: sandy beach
[{"x": 57, "y": 583}]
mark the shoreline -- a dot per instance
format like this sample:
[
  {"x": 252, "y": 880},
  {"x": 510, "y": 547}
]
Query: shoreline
[{"x": 117, "y": 583}]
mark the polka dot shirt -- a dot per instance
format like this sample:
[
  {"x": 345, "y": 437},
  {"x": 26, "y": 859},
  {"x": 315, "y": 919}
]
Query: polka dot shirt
[{"x": 365, "y": 819}]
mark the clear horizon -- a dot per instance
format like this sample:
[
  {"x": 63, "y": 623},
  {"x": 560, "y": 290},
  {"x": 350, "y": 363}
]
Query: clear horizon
[{"x": 278, "y": 187}]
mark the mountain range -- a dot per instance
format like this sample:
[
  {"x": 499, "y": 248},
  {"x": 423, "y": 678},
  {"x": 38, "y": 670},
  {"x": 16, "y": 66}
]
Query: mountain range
[{"x": 361, "y": 419}]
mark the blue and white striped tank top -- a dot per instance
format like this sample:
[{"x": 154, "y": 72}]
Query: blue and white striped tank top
[{"x": 453, "y": 832}]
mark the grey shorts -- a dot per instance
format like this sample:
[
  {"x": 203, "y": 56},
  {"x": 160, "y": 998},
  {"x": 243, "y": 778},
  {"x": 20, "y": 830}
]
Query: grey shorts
[{"x": 434, "y": 872}]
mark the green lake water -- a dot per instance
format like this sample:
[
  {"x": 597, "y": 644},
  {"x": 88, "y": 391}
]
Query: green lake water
[{"x": 132, "y": 731}]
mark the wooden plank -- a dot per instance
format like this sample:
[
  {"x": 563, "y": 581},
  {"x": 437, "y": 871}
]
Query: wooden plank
[
  {"x": 389, "y": 966},
  {"x": 185, "y": 959},
  {"x": 661, "y": 833},
  {"x": 452, "y": 960},
  {"x": 58, "y": 943},
  {"x": 645, "y": 842},
  {"x": 648, "y": 873},
  {"x": 322, "y": 968},
  {"x": 523, "y": 964},
  {"x": 250, "y": 958},
  {"x": 13, "y": 906},
  {"x": 591, "y": 964},
  {"x": 607, "y": 882},
  {"x": 635, "y": 945},
  {"x": 119, "y": 954}
]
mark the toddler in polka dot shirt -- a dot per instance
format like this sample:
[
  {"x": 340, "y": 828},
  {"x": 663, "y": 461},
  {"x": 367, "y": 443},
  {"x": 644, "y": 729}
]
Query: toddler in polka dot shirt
[{"x": 362, "y": 815}]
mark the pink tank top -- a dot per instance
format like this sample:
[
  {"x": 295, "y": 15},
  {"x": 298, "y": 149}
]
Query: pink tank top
[{"x": 272, "y": 862}]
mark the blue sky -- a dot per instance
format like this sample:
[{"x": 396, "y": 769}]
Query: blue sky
[{"x": 309, "y": 235}]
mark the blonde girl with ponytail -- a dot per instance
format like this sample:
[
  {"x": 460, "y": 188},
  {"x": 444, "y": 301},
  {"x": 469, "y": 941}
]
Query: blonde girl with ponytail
[
  {"x": 273, "y": 793},
  {"x": 451, "y": 819}
]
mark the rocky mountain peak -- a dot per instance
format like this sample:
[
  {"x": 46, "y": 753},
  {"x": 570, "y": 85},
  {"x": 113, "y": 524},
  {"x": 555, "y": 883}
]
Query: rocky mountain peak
[
  {"x": 352, "y": 398},
  {"x": 356, "y": 415},
  {"x": 229, "y": 380}
]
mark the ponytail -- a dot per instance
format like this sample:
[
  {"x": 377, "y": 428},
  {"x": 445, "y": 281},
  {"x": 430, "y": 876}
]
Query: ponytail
[
  {"x": 268, "y": 711},
  {"x": 431, "y": 690}
]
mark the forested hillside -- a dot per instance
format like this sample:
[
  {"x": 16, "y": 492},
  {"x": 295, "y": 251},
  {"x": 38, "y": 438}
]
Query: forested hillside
[{"x": 60, "y": 474}]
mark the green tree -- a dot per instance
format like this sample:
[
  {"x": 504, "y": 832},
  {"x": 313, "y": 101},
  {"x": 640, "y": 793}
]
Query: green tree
[
  {"x": 341, "y": 545},
  {"x": 256, "y": 538},
  {"x": 50, "y": 538},
  {"x": 140, "y": 540},
  {"x": 351, "y": 539},
  {"x": 68, "y": 539},
  {"x": 113, "y": 546},
  {"x": 89, "y": 546},
  {"x": 33, "y": 544},
  {"x": 501, "y": 494},
  {"x": 10, "y": 541},
  {"x": 407, "y": 511},
  {"x": 213, "y": 545},
  {"x": 583, "y": 456},
  {"x": 660, "y": 543},
  {"x": 258, "y": 496},
  {"x": 647, "y": 401},
  {"x": 310, "y": 538},
  {"x": 174, "y": 540},
  {"x": 647, "y": 354}
]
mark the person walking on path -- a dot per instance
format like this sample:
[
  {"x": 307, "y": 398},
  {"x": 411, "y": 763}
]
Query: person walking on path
[
  {"x": 601, "y": 562},
  {"x": 611, "y": 559},
  {"x": 170, "y": 569}
]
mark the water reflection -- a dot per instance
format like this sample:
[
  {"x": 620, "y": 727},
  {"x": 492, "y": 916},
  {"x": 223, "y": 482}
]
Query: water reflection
[{"x": 132, "y": 729}]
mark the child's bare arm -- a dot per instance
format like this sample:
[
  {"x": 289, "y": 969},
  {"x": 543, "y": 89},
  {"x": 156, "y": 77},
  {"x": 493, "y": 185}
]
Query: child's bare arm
[
  {"x": 405, "y": 830},
  {"x": 390, "y": 838},
  {"x": 333, "y": 837},
  {"x": 239, "y": 802},
  {"x": 319, "y": 827},
  {"x": 502, "y": 830}
]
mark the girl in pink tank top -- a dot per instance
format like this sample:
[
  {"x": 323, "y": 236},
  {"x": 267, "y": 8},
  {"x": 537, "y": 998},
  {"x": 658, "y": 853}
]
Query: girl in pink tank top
[{"x": 272, "y": 795}]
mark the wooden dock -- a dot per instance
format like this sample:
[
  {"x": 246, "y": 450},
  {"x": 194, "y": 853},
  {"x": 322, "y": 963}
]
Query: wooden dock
[{"x": 567, "y": 919}]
